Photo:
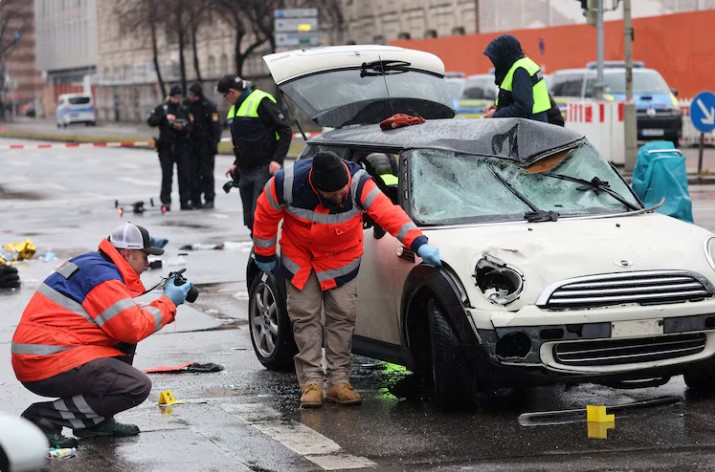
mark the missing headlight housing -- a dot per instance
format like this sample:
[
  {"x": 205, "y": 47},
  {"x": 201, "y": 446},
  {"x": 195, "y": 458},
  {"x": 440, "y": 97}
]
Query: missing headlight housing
[{"x": 500, "y": 283}]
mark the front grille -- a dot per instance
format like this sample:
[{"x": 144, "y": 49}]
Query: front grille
[
  {"x": 628, "y": 351},
  {"x": 644, "y": 288}
]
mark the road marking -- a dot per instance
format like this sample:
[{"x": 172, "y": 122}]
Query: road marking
[{"x": 297, "y": 437}]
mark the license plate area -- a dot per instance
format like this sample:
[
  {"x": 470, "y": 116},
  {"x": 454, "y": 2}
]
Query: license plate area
[
  {"x": 652, "y": 132},
  {"x": 629, "y": 329}
]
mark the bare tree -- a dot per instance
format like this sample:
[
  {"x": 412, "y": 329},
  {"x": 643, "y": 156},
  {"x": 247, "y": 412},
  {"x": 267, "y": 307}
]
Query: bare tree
[
  {"x": 13, "y": 23},
  {"x": 137, "y": 17}
]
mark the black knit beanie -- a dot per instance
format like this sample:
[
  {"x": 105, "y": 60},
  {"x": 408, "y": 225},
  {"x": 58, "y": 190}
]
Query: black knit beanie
[{"x": 329, "y": 172}]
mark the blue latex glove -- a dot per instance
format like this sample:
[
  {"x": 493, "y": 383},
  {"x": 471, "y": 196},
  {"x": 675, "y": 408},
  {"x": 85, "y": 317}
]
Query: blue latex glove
[
  {"x": 158, "y": 242},
  {"x": 429, "y": 255},
  {"x": 177, "y": 293},
  {"x": 266, "y": 267}
]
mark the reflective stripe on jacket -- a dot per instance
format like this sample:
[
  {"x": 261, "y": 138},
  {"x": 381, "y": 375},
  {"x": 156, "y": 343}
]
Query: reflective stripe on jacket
[
  {"x": 80, "y": 312},
  {"x": 539, "y": 89},
  {"x": 315, "y": 237}
]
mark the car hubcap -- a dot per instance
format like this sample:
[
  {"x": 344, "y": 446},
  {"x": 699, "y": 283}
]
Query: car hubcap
[{"x": 264, "y": 320}]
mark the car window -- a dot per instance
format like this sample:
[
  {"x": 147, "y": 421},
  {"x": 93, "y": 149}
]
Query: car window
[
  {"x": 645, "y": 81},
  {"x": 567, "y": 85},
  {"x": 482, "y": 88},
  {"x": 79, "y": 100},
  {"x": 452, "y": 188},
  {"x": 455, "y": 87}
]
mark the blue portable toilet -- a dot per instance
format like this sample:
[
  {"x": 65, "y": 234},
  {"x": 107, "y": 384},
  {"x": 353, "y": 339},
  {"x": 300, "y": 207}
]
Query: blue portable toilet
[{"x": 660, "y": 173}]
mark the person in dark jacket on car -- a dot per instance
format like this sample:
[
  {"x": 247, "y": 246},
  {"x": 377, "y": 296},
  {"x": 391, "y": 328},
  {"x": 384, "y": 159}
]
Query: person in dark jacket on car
[
  {"x": 205, "y": 136},
  {"x": 261, "y": 136},
  {"x": 173, "y": 146},
  {"x": 522, "y": 89}
]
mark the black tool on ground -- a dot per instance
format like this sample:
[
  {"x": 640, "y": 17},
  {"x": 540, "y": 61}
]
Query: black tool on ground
[
  {"x": 180, "y": 280},
  {"x": 9, "y": 277},
  {"x": 138, "y": 207}
]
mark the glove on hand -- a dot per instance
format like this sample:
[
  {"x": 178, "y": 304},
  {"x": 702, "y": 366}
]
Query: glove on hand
[
  {"x": 158, "y": 242},
  {"x": 266, "y": 267},
  {"x": 177, "y": 293},
  {"x": 429, "y": 255}
]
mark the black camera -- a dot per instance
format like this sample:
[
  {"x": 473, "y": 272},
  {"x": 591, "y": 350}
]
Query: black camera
[
  {"x": 229, "y": 185},
  {"x": 180, "y": 280}
]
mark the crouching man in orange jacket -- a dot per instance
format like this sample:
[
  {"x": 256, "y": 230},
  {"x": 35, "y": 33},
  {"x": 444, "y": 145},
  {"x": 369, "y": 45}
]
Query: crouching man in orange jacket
[
  {"x": 321, "y": 202},
  {"x": 75, "y": 338}
]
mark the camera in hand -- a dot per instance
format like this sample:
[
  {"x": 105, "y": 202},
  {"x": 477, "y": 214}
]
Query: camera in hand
[
  {"x": 229, "y": 185},
  {"x": 179, "y": 280},
  {"x": 179, "y": 122}
]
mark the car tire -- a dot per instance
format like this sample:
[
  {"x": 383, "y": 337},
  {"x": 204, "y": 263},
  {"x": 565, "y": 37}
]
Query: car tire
[
  {"x": 453, "y": 381},
  {"x": 701, "y": 379},
  {"x": 271, "y": 330}
]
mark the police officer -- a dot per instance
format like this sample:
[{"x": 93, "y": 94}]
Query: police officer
[
  {"x": 205, "y": 136},
  {"x": 173, "y": 146},
  {"x": 522, "y": 89},
  {"x": 261, "y": 137}
]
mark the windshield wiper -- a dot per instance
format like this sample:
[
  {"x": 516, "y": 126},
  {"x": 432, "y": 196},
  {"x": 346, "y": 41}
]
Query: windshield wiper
[
  {"x": 594, "y": 184},
  {"x": 536, "y": 215},
  {"x": 375, "y": 68}
]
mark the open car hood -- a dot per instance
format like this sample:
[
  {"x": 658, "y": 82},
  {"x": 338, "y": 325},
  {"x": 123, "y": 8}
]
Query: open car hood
[{"x": 346, "y": 85}]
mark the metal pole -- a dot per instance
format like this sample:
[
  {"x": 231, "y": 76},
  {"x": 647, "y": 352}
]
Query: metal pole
[
  {"x": 599, "y": 85},
  {"x": 629, "y": 109},
  {"x": 700, "y": 154}
]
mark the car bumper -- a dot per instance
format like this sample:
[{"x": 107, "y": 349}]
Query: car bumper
[
  {"x": 622, "y": 347},
  {"x": 659, "y": 127}
]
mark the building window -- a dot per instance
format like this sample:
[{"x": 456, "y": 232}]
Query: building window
[
  {"x": 212, "y": 66},
  {"x": 431, "y": 33},
  {"x": 224, "y": 64},
  {"x": 458, "y": 31},
  {"x": 404, "y": 35}
]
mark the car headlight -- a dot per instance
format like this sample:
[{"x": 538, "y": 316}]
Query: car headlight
[
  {"x": 499, "y": 282},
  {"x": 710, "y": 251}
]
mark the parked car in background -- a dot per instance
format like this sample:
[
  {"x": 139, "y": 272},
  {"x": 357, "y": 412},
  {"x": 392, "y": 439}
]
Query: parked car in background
[
  {"x": 657, "y": 108},
  {"x": 553, "y": 271},
  {"x": 75, "y": 108}
]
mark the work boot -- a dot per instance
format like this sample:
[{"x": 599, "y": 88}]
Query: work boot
[
  {"x": 343, "y": 394},
  {"x": 58, "y": 441},
  {"x": 312, "y": 396},
  {"x": 209, "y": 205},
  {"x": 197, "y": 205},
  {"x": 107, "y": 428}
]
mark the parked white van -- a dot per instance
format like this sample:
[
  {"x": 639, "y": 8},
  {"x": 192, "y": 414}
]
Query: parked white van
[{"x": 75, "y": 108}]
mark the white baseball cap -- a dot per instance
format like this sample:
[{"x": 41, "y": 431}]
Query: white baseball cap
[{"x": 131, "y": 236}]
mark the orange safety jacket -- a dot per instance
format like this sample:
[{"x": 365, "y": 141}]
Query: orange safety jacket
[
  {"x": 317, "y": 237},
  {"x": 80, "y": 312}
]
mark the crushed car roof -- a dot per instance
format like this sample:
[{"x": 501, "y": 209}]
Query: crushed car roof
[{"x": 517, "y": 139}]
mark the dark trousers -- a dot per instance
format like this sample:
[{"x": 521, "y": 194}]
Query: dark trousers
[
  {"x": 250, "y": 185},
  {"x": 203, "y": 160},
  {"x": 179, "y": 155},
  {"x": 88, "y": 394}
]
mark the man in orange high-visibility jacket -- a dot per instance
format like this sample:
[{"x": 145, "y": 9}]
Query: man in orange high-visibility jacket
[
  {"x": 321, "y": 202},
  {"x": 76, "y": 337}
]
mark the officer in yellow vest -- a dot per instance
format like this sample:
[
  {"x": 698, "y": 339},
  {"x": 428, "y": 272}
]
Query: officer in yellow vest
[
  {"x": 261, "y": 136},
  {"x": 522, "y": 89}
]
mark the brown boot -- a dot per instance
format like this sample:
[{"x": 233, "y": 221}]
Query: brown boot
[
  {"x": 312, "y": 396},
  {"x": 343, "y": 394}
]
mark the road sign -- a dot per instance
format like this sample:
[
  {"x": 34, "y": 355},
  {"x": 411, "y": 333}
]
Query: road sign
[
  {"x": 296, "y": 39},
  {"x": 702, "y": 112},
  {"x": 296, "y": 13},
  {"x": 296, "y": 24}
]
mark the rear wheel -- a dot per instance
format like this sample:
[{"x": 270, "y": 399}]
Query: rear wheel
[
  {"x": 271, "y": 331},
  {"x": 454, "y": 383},
  {"x": 701, "y": 379}
]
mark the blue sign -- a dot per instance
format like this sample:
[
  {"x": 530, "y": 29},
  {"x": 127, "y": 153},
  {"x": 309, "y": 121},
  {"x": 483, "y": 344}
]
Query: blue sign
[{"x": 702, "y": 112}]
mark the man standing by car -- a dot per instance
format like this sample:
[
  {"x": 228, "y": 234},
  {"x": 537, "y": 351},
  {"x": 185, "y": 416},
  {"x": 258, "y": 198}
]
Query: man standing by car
[
  {"x": 522, "y": 88},
  {"x": 205, "y": 136},
  {"x": 321, "y": 202},
  {"x": 261, "y": 137},
  {"x": 75, "y": 338},
  {"x": 174, "y": 147}
]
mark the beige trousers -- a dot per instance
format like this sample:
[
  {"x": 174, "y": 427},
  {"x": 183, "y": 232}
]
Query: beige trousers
[{"x": 311, "y": 334}]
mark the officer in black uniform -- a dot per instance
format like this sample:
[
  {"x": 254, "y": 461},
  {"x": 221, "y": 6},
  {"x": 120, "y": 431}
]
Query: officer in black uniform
[
  {"x": 261, "y": 137},
  {"x": 173, "y": 146},
  {"x": 205, "y": 136}
]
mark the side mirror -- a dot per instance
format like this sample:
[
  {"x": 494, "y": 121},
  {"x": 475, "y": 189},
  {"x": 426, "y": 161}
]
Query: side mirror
[{"x": 674, "y": 91}]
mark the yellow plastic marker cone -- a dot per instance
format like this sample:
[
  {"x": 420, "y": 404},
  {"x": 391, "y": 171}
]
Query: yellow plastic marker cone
[
  {"x": 598, "y": 414},
  {"x": 166, "y": 397},
  {"x": 599, "y": 429}
]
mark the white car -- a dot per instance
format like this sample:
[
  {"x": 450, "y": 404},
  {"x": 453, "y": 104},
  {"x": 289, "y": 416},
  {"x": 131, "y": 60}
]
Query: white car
[
  {"x": 553, "y": 271},
  {"x": 75, "y": 108}
]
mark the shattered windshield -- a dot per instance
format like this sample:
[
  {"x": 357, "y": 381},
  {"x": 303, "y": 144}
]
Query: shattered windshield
[{"x": 451, "y": 188}]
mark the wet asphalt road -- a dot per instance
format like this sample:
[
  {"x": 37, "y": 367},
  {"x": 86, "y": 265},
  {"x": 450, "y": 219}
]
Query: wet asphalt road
[{"x": 247, "y": 418}]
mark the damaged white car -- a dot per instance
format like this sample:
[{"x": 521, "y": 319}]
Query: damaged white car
[{"x": 553, "y": 271}]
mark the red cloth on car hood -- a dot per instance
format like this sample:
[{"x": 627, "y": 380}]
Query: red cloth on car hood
[{"x": 399, "y": 120}]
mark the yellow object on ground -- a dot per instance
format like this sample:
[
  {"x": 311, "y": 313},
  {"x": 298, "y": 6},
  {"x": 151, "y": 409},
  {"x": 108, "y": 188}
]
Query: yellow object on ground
[
  {"x": 22, "y": 250},
  {"x": 166, "y": 397}
]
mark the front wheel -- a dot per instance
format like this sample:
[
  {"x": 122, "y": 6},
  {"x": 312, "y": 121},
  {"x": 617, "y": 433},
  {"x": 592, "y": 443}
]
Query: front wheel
[
  {"x": 701, "y": 379},
  {"x": 454, "y": 383},
  {"x": 271, "y": 331}
]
